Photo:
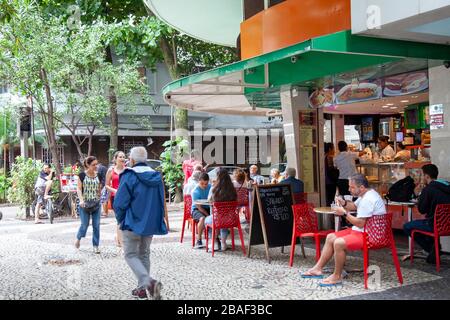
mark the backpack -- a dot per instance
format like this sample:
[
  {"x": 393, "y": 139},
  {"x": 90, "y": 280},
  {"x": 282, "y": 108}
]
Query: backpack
[{"x": 402, "y": 190}]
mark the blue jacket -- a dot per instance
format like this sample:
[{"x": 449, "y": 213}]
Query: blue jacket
[
  {"x": 139, "y": 201},
  {"x": 296, "y": 184}
]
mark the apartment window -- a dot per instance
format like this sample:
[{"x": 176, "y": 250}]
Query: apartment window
[
  {"x": 128, "y": 145},
  {"x": 47, "y": 155}
]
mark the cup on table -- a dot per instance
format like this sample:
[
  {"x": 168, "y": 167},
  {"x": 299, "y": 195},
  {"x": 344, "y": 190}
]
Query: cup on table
[{"x": 348, "y": 198}]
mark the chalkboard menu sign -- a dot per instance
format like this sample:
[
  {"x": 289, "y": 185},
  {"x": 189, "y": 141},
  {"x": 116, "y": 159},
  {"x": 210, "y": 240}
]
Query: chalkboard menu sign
[{"x": 272, "y": 219}]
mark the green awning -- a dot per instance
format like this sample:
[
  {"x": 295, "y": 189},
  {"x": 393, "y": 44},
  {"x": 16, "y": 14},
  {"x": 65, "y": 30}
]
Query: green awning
[{"x": 252, "y": 86}]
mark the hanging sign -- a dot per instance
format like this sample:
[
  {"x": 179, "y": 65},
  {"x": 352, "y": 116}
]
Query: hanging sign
[{"x": 436, "y": 116}]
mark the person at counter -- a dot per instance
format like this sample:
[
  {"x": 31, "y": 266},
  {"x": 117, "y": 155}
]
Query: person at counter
[
  {"x": 402, "y": 155},
  {"x": 345, "y": 163},
  {"x": 368, "y": 204},
  {"x": 387, "y": 153},
  {"x": 432, "y": 191},
  {"x": 331, "y": 173}
]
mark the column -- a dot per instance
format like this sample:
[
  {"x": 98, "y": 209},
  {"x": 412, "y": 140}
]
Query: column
[{"x": 440, "y": 151}]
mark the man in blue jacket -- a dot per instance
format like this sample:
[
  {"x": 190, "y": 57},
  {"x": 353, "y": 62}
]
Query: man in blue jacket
[{"x": 140, "y": 208}]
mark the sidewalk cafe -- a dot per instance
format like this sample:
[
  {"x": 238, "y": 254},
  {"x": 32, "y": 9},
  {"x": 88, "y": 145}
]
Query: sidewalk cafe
[{"x": 327, "y": 84}]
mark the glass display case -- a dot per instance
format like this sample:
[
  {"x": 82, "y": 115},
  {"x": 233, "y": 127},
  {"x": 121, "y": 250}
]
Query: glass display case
[{"x": 383, "y": 175}]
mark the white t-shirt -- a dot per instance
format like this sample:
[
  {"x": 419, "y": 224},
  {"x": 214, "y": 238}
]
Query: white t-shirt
[
  {"x": 189, "y": 187},
  {"x": 388, "y": 153},
  {"x": 368, "y": 205},
  {"x": 345, "y": 162}
]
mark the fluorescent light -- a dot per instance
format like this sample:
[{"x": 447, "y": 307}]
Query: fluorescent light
[
  {"x": 389, "y": 104},
  {"x": 404, "y": 101},
  {"x": 385, "y": 107},
  {"x": 394, "y": 108}
]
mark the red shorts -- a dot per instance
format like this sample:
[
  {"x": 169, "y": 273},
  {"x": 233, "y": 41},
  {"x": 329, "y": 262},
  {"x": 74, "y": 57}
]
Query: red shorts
[{"x": 353, "y": 239}]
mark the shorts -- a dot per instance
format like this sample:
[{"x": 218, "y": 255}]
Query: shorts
[
  {"x": 39, "y": 192},
  {"x": 197, "y": 215},
  {"x": 354, "y": 240}
]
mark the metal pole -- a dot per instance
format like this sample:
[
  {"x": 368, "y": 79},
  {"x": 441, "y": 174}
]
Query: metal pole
[
  {"x": 4, "y": 145},
  {"x": 171, "y": 137},
  {"x": 32, "y": 129}
]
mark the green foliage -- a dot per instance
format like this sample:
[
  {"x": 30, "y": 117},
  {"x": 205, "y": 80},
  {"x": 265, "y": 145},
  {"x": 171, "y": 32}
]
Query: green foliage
[
  {"x": 24, "y": 173},
  {"x": 171, "y": 163},
  {"x": 5, "y": 184}
]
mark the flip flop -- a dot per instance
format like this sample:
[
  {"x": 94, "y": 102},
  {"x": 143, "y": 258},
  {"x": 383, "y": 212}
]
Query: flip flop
[
  {"x": 308, "y": 276},
  {"x": 328, "y": 285}
]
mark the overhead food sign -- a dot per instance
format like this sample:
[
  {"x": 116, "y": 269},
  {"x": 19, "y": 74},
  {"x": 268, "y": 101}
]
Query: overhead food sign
[{"x": 364, "y": 87}]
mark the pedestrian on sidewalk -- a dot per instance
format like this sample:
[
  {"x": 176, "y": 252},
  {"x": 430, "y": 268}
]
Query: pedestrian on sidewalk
[
  {"x": 140, "y": 208},
  {"x": 89, "y": 189},
  {"x": 112, "y": 184}
]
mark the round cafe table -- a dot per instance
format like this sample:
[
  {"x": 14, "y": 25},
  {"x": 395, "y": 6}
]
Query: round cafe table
[
  {"x": 329, "y": 210},
  {"x": 337, "y": 227}
]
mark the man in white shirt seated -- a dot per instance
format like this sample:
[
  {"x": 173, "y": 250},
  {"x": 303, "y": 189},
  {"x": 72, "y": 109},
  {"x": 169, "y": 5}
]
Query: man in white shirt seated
[
  {"x": 192, "y": 183},
  {"x": 369, "y": 203}
]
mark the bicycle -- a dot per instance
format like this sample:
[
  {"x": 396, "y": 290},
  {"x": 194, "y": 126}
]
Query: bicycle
[{"x": 53, "y": 208}]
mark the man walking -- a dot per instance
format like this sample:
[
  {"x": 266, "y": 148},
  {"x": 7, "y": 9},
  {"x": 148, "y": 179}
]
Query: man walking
[{"x": 140, "y": 207}]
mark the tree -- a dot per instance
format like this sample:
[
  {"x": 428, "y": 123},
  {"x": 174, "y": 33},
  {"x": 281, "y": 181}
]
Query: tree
[
  {"x": 70, "y": 64},
  {"x": 31, "y": 49},
  {"x": 141, "y": 37}
]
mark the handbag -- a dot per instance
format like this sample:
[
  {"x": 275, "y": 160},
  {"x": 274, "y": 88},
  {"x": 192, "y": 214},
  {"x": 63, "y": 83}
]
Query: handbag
[
  {"x": 91, "y": 206},
  {"x": 104, "y": 197}
]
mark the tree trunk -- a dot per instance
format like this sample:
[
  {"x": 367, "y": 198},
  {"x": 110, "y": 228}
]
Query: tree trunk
[
  {"x": 50, "y": 123},
  {"x": 77, "y": 144},
  {"x": 114, "y": 138},
  {"x": 90, "y": 138}
]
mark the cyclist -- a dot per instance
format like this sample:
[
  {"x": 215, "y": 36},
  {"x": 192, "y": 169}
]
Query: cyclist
[{"x": 41, "y": 189}]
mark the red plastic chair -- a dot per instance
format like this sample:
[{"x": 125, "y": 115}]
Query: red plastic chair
[
  {"x": 225, "y": 216},
  {"x": 441, "y": 229},
  {"x": 300, "y": 198},
  {"x": 306, "y": 225},
  {"x": 187, "y": 217},
  {"x": 243, "y": 201},
  {"x": 378, "y": 235}
]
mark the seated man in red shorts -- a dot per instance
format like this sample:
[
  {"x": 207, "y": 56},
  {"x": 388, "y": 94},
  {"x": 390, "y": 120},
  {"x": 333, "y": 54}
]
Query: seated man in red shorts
[{"x": 369, "y": 203}]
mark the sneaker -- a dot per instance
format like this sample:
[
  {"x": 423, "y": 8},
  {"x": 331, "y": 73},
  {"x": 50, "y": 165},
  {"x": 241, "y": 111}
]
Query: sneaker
[
  {"x": 96, "y": 250},
  {"x": 140, "y": 293},
  {"x": 199, "y": 244},
  {"x": 217, "y": 245},
  {"x": 135, "y": 292},
  {"x": 223, "y": 244},
  {"x": 154, "y": 289}
]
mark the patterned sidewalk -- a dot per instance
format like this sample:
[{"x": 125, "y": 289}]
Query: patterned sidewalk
[{"x": 40, "y": 262}]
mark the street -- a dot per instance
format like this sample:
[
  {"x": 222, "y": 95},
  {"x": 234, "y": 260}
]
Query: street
[{"x": 40, "y": 262}]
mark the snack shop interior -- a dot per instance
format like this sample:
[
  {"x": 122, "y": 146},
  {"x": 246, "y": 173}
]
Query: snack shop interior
[{"x": 396, "y": 108}]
